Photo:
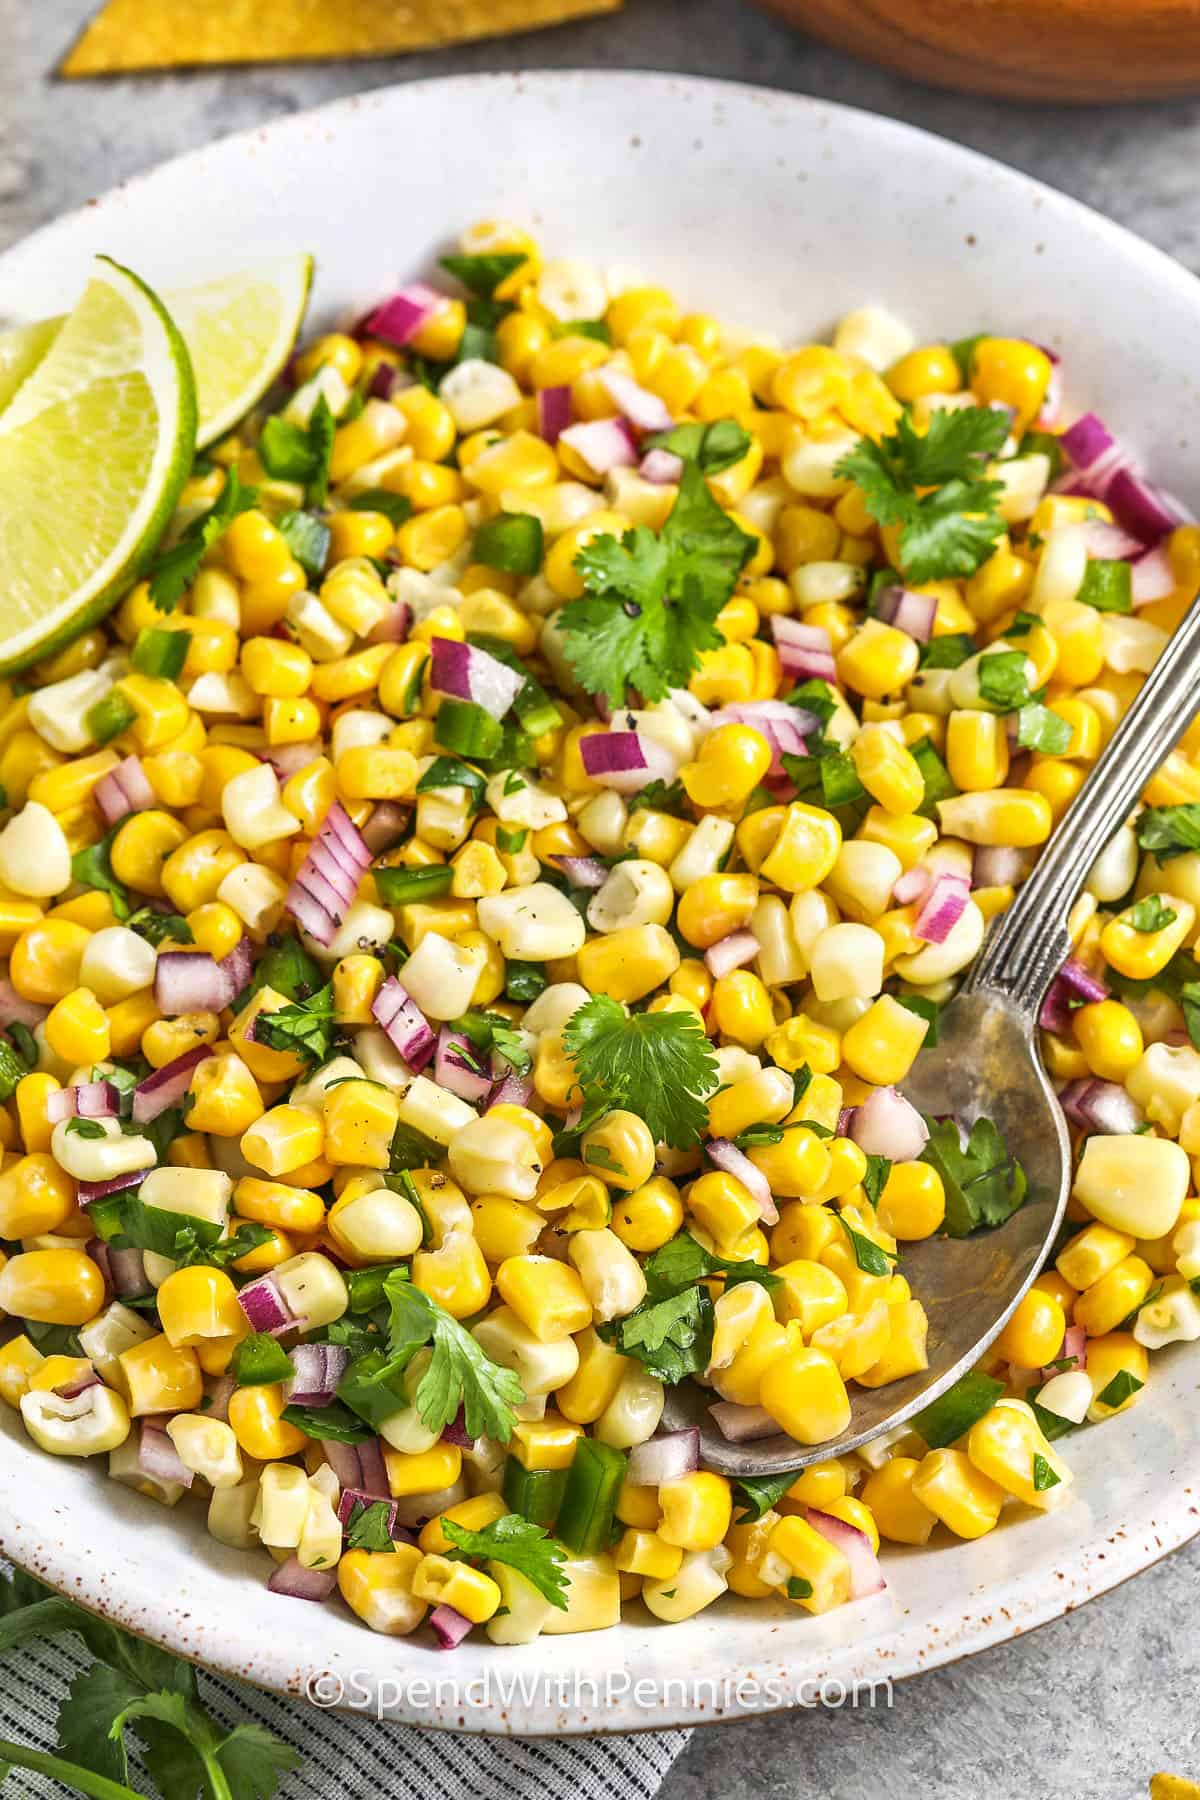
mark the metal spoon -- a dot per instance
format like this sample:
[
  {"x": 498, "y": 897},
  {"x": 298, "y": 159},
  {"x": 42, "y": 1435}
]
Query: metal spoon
[{"x": 986, "y": 1064}]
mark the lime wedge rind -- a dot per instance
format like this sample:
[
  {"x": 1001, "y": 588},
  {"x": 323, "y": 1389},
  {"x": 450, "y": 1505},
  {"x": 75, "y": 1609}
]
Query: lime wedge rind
[{"x": 46, "y": 444}]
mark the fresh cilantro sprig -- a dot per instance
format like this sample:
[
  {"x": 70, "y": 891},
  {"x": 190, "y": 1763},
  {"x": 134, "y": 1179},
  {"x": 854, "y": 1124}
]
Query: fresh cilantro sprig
[
  {"x": 92, "y": 868},
  {"x": 520, "y": 1545},
  {"x": 186, "y": 1752},
  {"x": 1151, "y": 914},
  {"x": 367, "y": 1526},
  {"x": 306, "y": 1028},
  {"x": 651, "y": 599},
  {"x": 1169, "y": 831},
  {"x": 658, "y": 1065},
  {"x": 681, "y": 1261},
  {"x": 292, "y": 452},
  {"x": 670, "y": 1331},
  {"x": 460, "y": 1373},
  {"x": 934, "y": 487},
  {"x": 984, "y": 1182},
  {"x": 174, "y": 570}
]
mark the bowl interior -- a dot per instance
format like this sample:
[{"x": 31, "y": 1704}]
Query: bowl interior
[{"x": 778, "y": 213}]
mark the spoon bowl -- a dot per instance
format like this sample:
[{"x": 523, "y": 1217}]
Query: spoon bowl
[{"x": 986, "y": 1065}]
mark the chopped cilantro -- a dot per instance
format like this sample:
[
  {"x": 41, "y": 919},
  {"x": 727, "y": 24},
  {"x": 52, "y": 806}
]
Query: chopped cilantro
[
  {"x": 984, "y": 1183},
  {"x": 659, "y": 1065},
  {"x": 174, "y": 570},
  {"x": 292, "y": 452},
  {"x": 1150, "y": 914}
]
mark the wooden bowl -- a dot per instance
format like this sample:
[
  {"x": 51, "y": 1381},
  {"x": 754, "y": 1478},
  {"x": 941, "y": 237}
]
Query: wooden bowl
[{"x": 1065, "y": 50}]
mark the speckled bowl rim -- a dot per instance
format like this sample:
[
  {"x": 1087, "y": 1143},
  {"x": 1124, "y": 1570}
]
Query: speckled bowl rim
[{"x": 1038, "y": 1568}]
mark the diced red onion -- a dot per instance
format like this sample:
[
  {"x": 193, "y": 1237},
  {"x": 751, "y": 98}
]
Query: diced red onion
[
  {"x": 327, "y": 881},
  {"x": 730, "y": 953},
  {"x": 167, "y": 1086},
  {"x": 394, "y": 626},
  {"x": 158, "y": 1457},
  {"x": 1109, "y": 543},
  {"x": 372, "y": 1469},
  {"x": 189, "y": 981},
  {"x": 385, "y": 378},
  {"x": 845, "y": 1120},
  {"x": 265, "y": 1307},
  {"x": 449, "y": 1626},
  {"x": 410, "y": 1032},
  {"x": 942, "y": 907},
  {"x": 471, "y": 674},
  {"x": 787, "y": 631},
  {"x": 343, "y": 1460},
  {"x": 456, "y": 1431},
  {"x": 87, "y": 1191},
  {"x": 805, "y": 651},
  {"x": 603, "y": 444},
  {"x": 129, "y": 1278},
  {"x": 386, "y": 826},
  {"x": 97, "y": 1249},
  {"x": 866, "y": 1576},
  {"x": 123, "y": 790},
  {"x": 1147, "y": 511},
  {"x": 16, "y": 1010},
  {"x": 554, "y": 412},
  {"x": 886, "y": 1124},
  {"x": 319, "y": 1368},
  {"x": 784, "y": 727},
  {"x": 912, "y": 884},
  {"x": 582, "y": 871},
  {"x": 352, "y": 1496},
  {"x": 220, "y": 1392},
  {"x": 89, "y": 1100},
  {"x": 453, "y": 1068},
  {"x": 298, "y": 1583},
  {"x": 399, "y": 319},
  {"x": 288, "y": 759},
  {"x": 908, "y": 612},
  {"x": 996, "y": 865},
  {"x": 1072, "y": 1354},
  {"x": 625, "y": 760},
  {"x": 1073, "y": 981},
  {"x": 743, "y": 1424},
  {"x": 661, "y": 467},
  {"x": 666, "y": 1457},
  {"x": 645, "y": 411},
  {"x": 513, "y": 1090},
  {"x": 1089, "y": 445},
  {"x": 1102, "y": 1106},
  {"x": 1153, "y": 577},
  {"x": 723, "y": 1154}
]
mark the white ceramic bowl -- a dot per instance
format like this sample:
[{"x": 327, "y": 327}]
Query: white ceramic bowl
[{"x": 781, "y": 213}]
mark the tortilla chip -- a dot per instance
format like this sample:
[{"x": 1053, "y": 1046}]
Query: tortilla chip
[{"x": 169, "y": 34}]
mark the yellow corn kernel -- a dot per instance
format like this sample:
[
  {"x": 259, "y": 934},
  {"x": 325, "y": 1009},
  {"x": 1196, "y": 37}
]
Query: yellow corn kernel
[
  {"x": 256, "y": 1422},
  {"x": 647, "y": 1553},
  {"x": 1011, "y": 372},
  {"x": 966, "y": 1501},
  {"x": 283, "y": 1139},
  {"x": 276, "y": 668},
  {"x": 475, "y": 1514},
  {"x": 277, "y": 1203},
  {"x": 1102, "y": 1306},
  {"x": 455, "y": 1275},
  {"x": 901, "y": 1516},
  {"x": 976, "y": 750},
  {"x": 723, "y": 1206},
  {"x": 547, "y": 1296},
  {"x": 142, "y": 847},
  {"x": 810, "y": 1293},
  {"x": 1033, "y": 1335},
  {"x": 1004, "y": 1445},
  {"x": 809, "y": 1558},
  {"x": 197, "y": 1304},
  {"x": 741, "y": 1008},
  {"x": 161, "y": 709},
  {"x": 887, "y": 770},
  {"x": 913, "y": 1203},
  {"x": 36, "y": 1196},
  {"x": 377, "y": 1586},
  {"x": 731, "y": 761},
  {"x": 803, "y": 1391},
  {"x": 160, "y": 1378},
  {"x": 194, "y": 870},
  {"x": 801, "y": 1040},
  {"x": 224, "y": 1097},
  {"x": 796, "y": 1166},
  {"x": 1140, "y": 954},
  {"x": 360, "y": 1122},
  {"x": 19, "y": 1363},
  {"x": 1117, "y": 1353},
  {"x": 696, "y": 1510},
  {"x": 882, "y": 1046},
  {"x": 422, "y": 1472},
  {"x": 547, "y": 1443},
  {"x": 805, "y": 851},
  {"x": 878, "y": 660},
  {"x": 630, "y": 963},
  {"x": 1016, "y": 817}
]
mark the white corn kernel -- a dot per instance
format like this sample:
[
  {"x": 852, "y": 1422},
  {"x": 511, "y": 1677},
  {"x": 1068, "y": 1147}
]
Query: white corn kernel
[
  {"x": 313, "y": 1287},
  {"x": 440, "y": 976},
  {"x": 87, "y": 1424},
  {"x": 99, "y": 1158},
  {"x": 434, "y": 1111},
  {"x": 703, "y": 853},
  {"x": 59, "y": 712},
  {"x": 531, "y": 924},
  {"x": 35, "y": 858},
  {"x": 611, "y": 1275},
  {"x": 636, "y": 892},
  {"x": 873, "y": 335},
  {"x": 116, "y": 962},
  {"x": 253, "y": 812},
  {"x": 477, "y": 393},
  {"x": 1135, "y": 1183},
  {"x": 197, "y": 1193},
  {"x": 846, "y": 962},
  {"x": 208, "y": 1447}
]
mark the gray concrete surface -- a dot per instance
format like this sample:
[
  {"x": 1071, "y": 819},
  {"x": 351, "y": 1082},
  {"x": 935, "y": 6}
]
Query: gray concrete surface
[{"x": 1089, "y": 1706}]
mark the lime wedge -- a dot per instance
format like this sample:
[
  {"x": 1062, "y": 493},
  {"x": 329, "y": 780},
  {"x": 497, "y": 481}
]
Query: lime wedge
[
  {"x": 95, "y": 447},
  {"x": 239, "y": 332}
]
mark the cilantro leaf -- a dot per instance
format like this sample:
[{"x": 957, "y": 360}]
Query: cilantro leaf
[
  {"x": 292, "y": 452},
  {"x": 174, "y": 570},
  {"x": 661, "y": 796},
  {"x": 459, "y": 1374},
  {"x": 92, "y": 868},
  {"x": 331, "y": 1424},
  {"x": 1038, "y": 728},
  {"x": 1123, "y": 1384},
  {"x": 761, "y": 1493},
  {"x": 681, "y": 1262},
  {"x": 1167, "y": 831},
  {"x": 1044, "y": 1476},
  {"x": 367, "y": 1526},
  {"x": 651, "y": 600},
  {"x": 876, "y": 1178},
  {"x": 157, "y": 927},
  {"x": 1108, "y": 586},
  {"x": 984, "y": 1183},
  {"x": 306, "y": 1028},
  {"x": 481, "y": 275},
  {"x": 670, "y": 1337},
  {"x": 952, "y": 530},
  {"x": 658, "y": 1065},
  {"x": 711, "y": 447},
  {"x": 1150, "y": 914},
  {"x": 1002, "y": 680},
  {"x": 520, "y": 1545},
  {"x": 871, "y": 1257}
]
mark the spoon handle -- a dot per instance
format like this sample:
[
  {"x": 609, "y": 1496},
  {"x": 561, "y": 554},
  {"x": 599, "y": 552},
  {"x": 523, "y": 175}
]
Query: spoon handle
[{"x": 1029, "y": 942}]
